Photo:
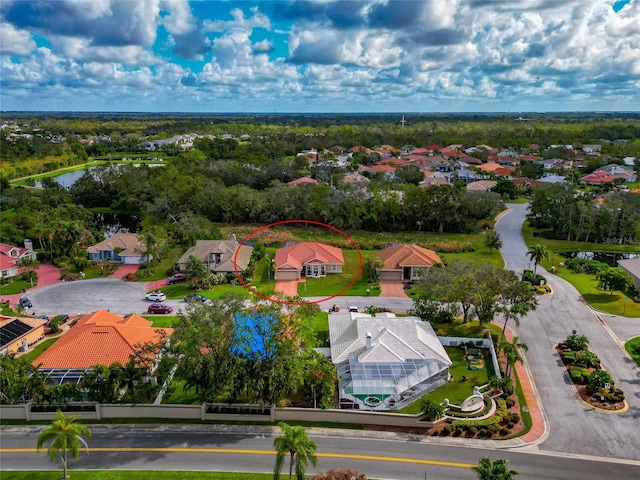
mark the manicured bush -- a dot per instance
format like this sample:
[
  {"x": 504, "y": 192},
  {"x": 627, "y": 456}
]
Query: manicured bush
[
  {"x": 576, "y": 342},
  {"x": 568, "y": 357},
  {"x": 504, "y": 431},
  {"x": 446, "y": 430},
  {"x": 510, "y": 425},
  {"x": 510, "y": 402},
  {"x": 584, "y": 265},
  {"x": 458, "y": 431},
  {"x": 472, "y": 430},
  {"x": 483, "y": 432},
  {"x": 493, "y": 420},
  {"x": 598, "y": 379}
]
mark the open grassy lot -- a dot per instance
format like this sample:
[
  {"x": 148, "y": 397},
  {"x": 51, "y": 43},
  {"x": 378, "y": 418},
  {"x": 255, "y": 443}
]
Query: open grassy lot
[
  {"x": 333, "y": 283},
  {"x": 629, "y": 347},
  {"x": 133, "y": 475},
  {"x": 162, "y": 321}
]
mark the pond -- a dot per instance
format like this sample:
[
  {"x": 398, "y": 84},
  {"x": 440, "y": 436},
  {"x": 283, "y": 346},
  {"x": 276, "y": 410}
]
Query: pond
[
  {"x": 610, "y": 258},
  {"x": 69, "y": 178}
]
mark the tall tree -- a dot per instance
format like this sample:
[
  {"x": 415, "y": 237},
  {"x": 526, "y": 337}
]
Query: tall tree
[
  {"x": 301, "y": 449},
  {"x": 518, "y": 300},
  {"x": 488, "y": 469},
  {"x": 614, "y": 279},
  {"x": 156, "y": 242},
  {"x": 511, "y": 351},
  {"x": 492, "y": 240},
  {"x": 537, "y": 253},
  {"x": 66, "y": 438}
]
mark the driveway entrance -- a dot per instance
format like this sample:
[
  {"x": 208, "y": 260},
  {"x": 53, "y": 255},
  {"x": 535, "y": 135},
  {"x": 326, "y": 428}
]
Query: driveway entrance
[{"x": 392, "y": 289}]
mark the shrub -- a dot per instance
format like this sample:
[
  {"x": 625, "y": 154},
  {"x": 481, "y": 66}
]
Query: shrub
[
  {"x": 483, "y": 432},
  {"x": 569, "y": 357},
  {"x": 472, "y": 430},
  {"x": 504, "y": 431},
  {"x": 578, "y": 374},
  {"x": 130, "y": 277},
  {"x": 510, "y": 425},
  {"x": 576, "y": 342},
  {"x": 432, "y": 410},
  {"x": 587, "y": 358},
  {"x": 584, "y": 265},
  {"x": 598, "y": 379},
  {"x": 446, "y": 430},
  {"x": 510, "y": 402},
  {"x": 458, "y": 431}
]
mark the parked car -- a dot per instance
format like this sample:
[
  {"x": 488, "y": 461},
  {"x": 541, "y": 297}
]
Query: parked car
[
  {"x": 353, "y": 309},
  {"x": 63, "y": 318},
  {"x": 43, "y": 317},
  {"x": 25, "y": 302},
  {"x": 159, "y": 308},
  {"x": 156, "y": 297},
  {"x": 177, "y": 278},
  {"x": 195, "y": 297}
]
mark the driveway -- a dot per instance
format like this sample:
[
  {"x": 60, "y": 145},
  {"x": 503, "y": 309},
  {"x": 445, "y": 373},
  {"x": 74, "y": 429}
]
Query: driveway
[
  {"x": 123, "y": 270},
  {"x": 47, "y": 275},
  {"x": 287, "y": 287},
  {"x": 574, "y": 428},
  {"x": 392, "y": 289}
]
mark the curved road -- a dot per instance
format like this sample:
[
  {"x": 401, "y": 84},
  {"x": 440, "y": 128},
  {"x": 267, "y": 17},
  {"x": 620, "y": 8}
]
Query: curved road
[
  {"x": 379, "y": 455},
  {"x": 573, "y": 427}
]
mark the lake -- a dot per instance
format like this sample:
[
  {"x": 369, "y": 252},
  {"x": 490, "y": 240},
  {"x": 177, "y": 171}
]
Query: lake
[
  {"x": 610, "y": 258},
  {"x": 69, "y": 178}
]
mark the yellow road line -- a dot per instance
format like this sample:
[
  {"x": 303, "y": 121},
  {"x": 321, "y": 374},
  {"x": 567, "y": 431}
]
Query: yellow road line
[{"x": 256, "y": 452}]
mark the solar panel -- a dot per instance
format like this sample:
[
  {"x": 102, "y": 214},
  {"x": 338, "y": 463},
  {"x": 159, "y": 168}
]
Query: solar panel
[{"x": 13, "y": 330}]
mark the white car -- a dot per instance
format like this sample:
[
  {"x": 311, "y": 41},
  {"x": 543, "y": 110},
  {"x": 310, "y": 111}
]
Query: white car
[{"x": 156, "y": 297}]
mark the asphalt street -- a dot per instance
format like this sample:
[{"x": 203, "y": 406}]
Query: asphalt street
[
  {"x": 573, "y": 427},
  {"x": 380, "y": 455}
]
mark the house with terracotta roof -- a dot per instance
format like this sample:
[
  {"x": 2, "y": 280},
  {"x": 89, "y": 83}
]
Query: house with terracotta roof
[
  {"x": 620, "y": 172},
  {"x": 99, "y": 338},
  {"x": 385, "y": 362},
  {"x": 220, "y": 256},
  {"x": 406, "y": 261},
  {"x": 310, "y": 259},
  {"x": 125, "y": 248},
  {"x": 489, "y": 167},
  {"x": 355, "y": 178},
  {"x": 302, "y": 181},
  {"x": 597, "y": 178},
  {"x": 481, "y": 186},
  {"x": 18, "y": 334},
  {"x": 10, "y": 257}
]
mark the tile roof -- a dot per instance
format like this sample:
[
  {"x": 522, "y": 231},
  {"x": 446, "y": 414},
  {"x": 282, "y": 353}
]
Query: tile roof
[
  {"x": 227, "y": 248},
  {"x": 489, "y": 166},
  {"x": 129, "y": 243},
  {"x": 598, "y": 177},
  {"x": 99, "y": 338},
  {"x": 407, "y": 255},
  {"x": 301, "y": 253},
  {"x": 481, "y": 185},
  {"x": 303, "y": 180}
]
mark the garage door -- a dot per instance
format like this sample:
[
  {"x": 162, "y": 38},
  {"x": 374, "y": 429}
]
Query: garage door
[
  {"x": 287, "y": 274},
  {"x": 390, "y": 275}
]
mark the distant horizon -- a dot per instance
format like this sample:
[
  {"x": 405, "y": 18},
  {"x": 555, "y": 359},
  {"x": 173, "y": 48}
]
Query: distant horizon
[{"x": 322, "y": 56}]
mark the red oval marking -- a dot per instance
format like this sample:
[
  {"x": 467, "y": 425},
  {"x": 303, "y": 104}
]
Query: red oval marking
[{"x": 283, "y": 222}]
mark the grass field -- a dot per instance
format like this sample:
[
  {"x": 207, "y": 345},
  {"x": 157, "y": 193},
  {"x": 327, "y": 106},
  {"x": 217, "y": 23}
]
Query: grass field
[
  {"x": 629, "y": 347},
  {"x": 132, "y": 475},
  {"x": 162, "y": 321}
]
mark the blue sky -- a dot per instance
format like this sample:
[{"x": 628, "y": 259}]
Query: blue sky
[{"x": 320, "y": 55}]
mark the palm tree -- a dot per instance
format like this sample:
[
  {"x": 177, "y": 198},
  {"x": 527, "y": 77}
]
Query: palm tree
[
  {"x": 295, "y": 442},
  {"x": 511, "y": 351},
  {"x": 536, "y": 254},
  {"x": 488, "y": 469},
  {"x": 65, "y": 436}
]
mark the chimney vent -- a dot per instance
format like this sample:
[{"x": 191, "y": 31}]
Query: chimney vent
[{"x": 368, "y": 344}]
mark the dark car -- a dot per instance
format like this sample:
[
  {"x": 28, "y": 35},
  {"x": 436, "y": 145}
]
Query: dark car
[
  {"x": 43, "y": 317},
  {"x": 159, "y": 308},
  {"x": 195, "y": 297},
  {"x": 177, "y": 278},
  {"x": 25, "y": 302},
  {"x": 63, "y": 318}
]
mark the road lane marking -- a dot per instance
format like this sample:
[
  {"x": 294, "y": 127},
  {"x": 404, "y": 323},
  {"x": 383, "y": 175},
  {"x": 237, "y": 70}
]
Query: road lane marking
[{"x": 256, "y": 452}]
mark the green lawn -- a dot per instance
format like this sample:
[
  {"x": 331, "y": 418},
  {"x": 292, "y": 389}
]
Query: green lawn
[
  {"x": 14, "y": 287},
  {"x": 629, "y": 348},
  {"x": 132, "y": 475},
  {"x": 587, "y": 285},
  {"x": 162, "y": 321},
  {"x": 160, "y": 270},
  {"x": 333, "y": 283},
  {"x": 39, "y": 349}
]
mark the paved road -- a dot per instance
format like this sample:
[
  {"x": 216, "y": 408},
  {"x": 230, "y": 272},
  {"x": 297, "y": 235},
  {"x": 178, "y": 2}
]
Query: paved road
[
  {"x": 378, "y": 454},
  {"x": 574, "y": 428}
]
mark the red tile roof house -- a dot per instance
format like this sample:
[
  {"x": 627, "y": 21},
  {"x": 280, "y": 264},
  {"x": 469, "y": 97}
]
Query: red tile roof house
[
  {"x": 406, "y": 262},
  {"x": 10, "y": 256},
  {"x": 98, "y": 338},
  {"x": 597, "y": 178},
  {"x": 310, "y": 259},
  {"x": 303, "y": 180},
  {"x": 124, "y": 248}
]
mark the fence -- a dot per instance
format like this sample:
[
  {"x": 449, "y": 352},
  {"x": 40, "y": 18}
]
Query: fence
[
  {"x": 479, "y": 343},
  {"x": 213, "y": 412}
]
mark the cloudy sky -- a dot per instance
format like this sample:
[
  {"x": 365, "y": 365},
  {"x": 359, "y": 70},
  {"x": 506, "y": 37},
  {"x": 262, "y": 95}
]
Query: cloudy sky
[{"x": 320, "y": 56}]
